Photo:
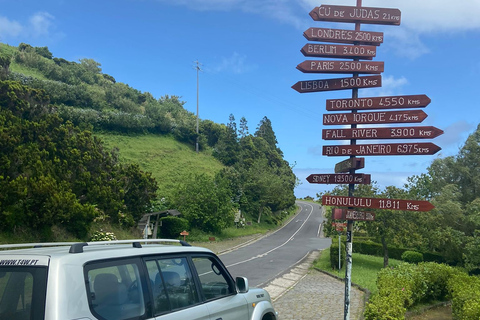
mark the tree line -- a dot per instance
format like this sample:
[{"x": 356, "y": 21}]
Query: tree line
[
  {"x": 53, "y": 170},
  {"x": 452, "y": 228}
]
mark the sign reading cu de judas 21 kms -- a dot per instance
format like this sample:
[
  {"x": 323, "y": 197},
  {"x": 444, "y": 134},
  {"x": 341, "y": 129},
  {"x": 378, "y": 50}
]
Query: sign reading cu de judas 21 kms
[{"x": 355, "y": 14}]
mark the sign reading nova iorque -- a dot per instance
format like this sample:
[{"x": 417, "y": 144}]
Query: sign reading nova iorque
[
  {"x": 428, "y": 132},
  {"x": 322, "y": 50},
  {"x": 337, "y": 84},
  {"x": 340, "y": 178},
  {"x": 356, "y": 14},
  {"x": 374, "y": 203},
  {"x": 331, "y": 66},
  {"x": 344, "y": 36},
  {"x": 391, "y": 102},
  {"x": 389, "y": 149},
  {"x": 408, "y": 116}
]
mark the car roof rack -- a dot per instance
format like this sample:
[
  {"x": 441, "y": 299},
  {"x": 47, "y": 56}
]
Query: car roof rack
[{"x": 77, "y": 247}]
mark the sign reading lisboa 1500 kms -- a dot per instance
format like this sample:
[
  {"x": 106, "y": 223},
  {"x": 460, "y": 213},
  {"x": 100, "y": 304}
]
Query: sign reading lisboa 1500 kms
[
  {"x": 356, "y": 14},
  {"x": 337, "y": 84},
  {"x": 374, "y": 203}
]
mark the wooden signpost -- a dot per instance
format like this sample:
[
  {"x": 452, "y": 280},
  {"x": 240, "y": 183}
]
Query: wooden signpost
[
  {"x": 344, "y": 36},
  {"x": 391, "y": 102},
  {"x": 333, "y": 66},
  {"x": 379, "y": 117},
  {"x": 322, "y": 50},
  {"x": 360, "y": 45},
  {"x": 350, "y": 164},
  {"x": 339, "y": 178},
  {"x": 337, "y": 84},
  {"x": 378, "y": 149},
  {"x": 428, "y": 132}
]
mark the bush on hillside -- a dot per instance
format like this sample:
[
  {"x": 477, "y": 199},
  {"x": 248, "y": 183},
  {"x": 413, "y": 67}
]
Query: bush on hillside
[
  {"x": 172, "y": 226},
  {"x": 412, "y": 257}
]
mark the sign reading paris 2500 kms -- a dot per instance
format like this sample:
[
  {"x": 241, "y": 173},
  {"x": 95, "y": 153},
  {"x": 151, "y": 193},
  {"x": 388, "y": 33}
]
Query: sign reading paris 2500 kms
[
  {"x": 356, "y": 14},
  {"x": 374, "y": 203},
  {"x": 388, "y": 149},
  {"x": 337, "y": 84},
  {"x": 331, "y": 66}
]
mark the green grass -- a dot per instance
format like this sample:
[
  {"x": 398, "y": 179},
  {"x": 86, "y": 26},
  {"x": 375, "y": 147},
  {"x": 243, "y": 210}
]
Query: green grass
[
  {"x": 168, "y": 160},
  {"x": 364, "y": 268}
]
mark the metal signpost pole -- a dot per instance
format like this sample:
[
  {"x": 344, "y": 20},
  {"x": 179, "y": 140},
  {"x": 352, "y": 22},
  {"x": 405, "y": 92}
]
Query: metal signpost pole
[{"x": 351, "y": 193}]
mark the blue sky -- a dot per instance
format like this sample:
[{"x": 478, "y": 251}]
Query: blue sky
[{"x": 249, "y": 50}]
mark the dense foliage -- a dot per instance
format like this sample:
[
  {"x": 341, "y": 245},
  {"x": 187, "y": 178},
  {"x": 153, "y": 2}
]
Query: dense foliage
[{"x": 51, "y": 172}]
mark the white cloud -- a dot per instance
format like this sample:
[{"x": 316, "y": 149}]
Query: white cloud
[
  {"x": 236, "y": 64},
  {"x": 40, "y": 24},
  {"x": 454, "y": 133},
  {"x": 9, "y": 28}
]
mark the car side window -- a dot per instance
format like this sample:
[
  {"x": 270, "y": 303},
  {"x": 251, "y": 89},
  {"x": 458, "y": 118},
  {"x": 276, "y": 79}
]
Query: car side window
[
  {"x": 115, "y": 289},
  {"x": 214, "y": 280},
  {"x": 173, "y": 284}
]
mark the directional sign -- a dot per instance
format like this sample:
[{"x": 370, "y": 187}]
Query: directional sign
[
  {"x": 344, "y": 36},
  {"x": 391, "y": 149},
  {"x": 339, "y": 178},
  {"x": 374, "y": 203},
  {"x": 409, "y": 116},
  {"x": 338, "y": 84},
  {"x": 331, "y": 66},
  {"x": 323, "y": 50},
  {"x": 390, "y": 102},
  {"x": 356, "y": 14},
  {"x": 351, "y": 163},
  {"x": 382, "y": 133},
  {"x": 348, "y": 214}
]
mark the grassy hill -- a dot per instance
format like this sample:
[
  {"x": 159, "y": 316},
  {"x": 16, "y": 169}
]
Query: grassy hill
[{"x": 168, "y": 160}]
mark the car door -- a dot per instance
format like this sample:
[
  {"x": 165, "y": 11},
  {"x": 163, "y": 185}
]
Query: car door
[
  {"x": 218, "y": 289},
  {"x": 174, "y": 290}
]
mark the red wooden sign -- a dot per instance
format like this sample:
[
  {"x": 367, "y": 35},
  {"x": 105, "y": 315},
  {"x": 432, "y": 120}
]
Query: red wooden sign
[
  {"x": 385, "y": 16},
  {"x": 374, "y": 203},
  {"x": 382, "y": 133},
  {"x": 331, "y": 66},
  {"x": 337, "y": 84},
  {"x": 344, "y": 36},
  {"x": 390, "y": 102},
  {"x": 348, "y": 214},
  {"x": 351, "y": 163},
  {"x": 339, "y": 178},
  {"x": 408, "y": 116},
  {"x": 391, "y": 149},
  {"x": 323, "y": 50}
]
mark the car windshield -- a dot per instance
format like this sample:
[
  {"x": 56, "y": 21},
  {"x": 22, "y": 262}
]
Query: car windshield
[{"x": 22, "y": 293}]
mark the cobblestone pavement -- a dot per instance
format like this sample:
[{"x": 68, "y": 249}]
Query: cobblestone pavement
[{"x": 318, "y": 296}]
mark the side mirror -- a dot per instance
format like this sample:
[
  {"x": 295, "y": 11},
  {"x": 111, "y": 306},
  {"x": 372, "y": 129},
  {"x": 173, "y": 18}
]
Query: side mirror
[{"x": 242, "y": 284}]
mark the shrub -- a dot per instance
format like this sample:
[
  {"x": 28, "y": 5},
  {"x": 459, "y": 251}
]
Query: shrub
[
  {"x": 172, "y": 226},
  {"x": 334, "y": 254},
  {"x": 385, "y": 307},
  {"x": 103, "y": 236},
  {"x": 465, "y": 294},
  {"x": 412, "y": 257}
]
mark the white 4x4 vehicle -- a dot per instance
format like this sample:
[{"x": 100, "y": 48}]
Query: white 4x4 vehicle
[{"x": 127, "y": 279}]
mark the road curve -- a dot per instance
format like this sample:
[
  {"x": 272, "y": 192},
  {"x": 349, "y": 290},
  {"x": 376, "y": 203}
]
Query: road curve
[{"x": 275, "y": 254}]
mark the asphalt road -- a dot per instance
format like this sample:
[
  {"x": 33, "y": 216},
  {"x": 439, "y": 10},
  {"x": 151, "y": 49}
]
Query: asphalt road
[{"x": 271, "y": 256}]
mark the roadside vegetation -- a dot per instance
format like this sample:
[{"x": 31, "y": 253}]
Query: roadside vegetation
[{"x": 83, "y": 153}]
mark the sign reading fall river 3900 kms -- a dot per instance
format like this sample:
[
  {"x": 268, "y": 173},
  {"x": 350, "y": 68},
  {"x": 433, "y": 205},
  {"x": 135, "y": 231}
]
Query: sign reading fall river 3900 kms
[
  {"x": 427, "y": 132},
  {"x": 337, "y": 84},
  {"x": 356, "y": 14},
  {"x": 374, "y": 203}
]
